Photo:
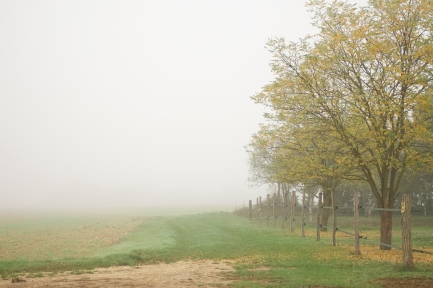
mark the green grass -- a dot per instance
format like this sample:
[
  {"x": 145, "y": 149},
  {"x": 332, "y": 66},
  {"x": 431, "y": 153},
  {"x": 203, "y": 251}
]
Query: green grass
[{"x": 263, "y": 256}]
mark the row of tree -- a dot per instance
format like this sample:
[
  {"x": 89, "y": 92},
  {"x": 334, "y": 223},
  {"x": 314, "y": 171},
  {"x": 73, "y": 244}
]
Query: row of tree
[{"x": 351, "y": 103}]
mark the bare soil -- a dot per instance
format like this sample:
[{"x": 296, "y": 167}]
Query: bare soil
[
  {"x": 179, "y": 274},
  {"x": 421, "y": 282},
  {"x": 71, "y": 236}
]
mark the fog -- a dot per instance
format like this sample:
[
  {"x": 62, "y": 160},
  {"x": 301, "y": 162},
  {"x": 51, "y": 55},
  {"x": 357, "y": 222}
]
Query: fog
[{"x": 133, "y": 103}]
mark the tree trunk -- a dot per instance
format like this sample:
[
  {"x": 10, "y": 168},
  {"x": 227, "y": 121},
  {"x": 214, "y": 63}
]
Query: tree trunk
[
  {"x": 405, "y": 231},
  {"x": 279, "y": 193},
  {"x": 385, "y": 198},
  {"x": 327, "y": 202},
  {"x": 385, "y": 228}
]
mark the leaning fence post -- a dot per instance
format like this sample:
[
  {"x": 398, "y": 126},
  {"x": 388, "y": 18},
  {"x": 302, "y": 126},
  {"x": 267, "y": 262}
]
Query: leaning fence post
[
  {"x": 405, "y": 231},
  {"x": 303, "y": 215},
  {"x": 356, "y": 217},
  {"x": 319, "y": 206},
  {"x": 251, "y": 210}
]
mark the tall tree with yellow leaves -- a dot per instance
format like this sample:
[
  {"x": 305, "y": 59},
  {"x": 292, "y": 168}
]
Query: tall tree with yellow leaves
[{"x": 365, "y": 80}]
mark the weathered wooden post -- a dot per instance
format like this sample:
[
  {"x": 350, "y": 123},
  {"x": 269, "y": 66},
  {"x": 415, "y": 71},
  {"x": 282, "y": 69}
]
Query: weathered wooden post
[
  {"x": 283, "y": 225},
  {"x": 319, "y": 225},
  {"x": 273, "y": 211},
  {"x": 334, "y": 218},
  {"x": 356, "y": 217},
  {"x": 257, "y": 205},
  {"x": 303, "y": 215},
  {"x": 267, "y": 215},
  {"x": 260, "y": 209},
  {"x": 251, "y": 210},
  {"x": 405, "y": 231},
  {"x": 292, "y": 211}
]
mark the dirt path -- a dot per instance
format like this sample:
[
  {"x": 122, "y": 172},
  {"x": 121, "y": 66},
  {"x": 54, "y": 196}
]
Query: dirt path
[
  {"x": 179, "y": 274},
  {"x": 420, "y": 282}
]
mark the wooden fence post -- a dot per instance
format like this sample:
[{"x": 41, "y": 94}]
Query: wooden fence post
[
  {"x": 334, "y": 218},
  {"x": 319, "y": 206},
  {"x": 283, "y": 225},
  {"x": 251, "y": 210},
  {"x": 257, "y": 205},
  {"x": 260, "y": 209},
  {"x": 405, "y": 231},
  {"x": 356, "y": 216},
  {"x": 292, "y": 211},
  {"x": 303, "y": 215},
  {"x": 273, "y": 211},
  {"x": 267, "y": 215}
]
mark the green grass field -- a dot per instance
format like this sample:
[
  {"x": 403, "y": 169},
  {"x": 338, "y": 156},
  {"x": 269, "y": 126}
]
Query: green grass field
[{"x": 263, "y": 256}]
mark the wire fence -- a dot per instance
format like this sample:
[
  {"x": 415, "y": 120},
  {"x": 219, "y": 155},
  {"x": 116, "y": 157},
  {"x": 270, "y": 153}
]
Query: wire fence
[{"x": 265, "y": 211}]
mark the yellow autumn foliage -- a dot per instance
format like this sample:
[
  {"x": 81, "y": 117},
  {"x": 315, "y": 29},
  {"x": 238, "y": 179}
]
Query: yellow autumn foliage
[{"x": 352, "y": 102}]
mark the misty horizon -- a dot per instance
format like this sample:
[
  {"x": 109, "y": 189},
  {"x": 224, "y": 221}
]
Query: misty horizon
[{"x": 137, "y": 103}]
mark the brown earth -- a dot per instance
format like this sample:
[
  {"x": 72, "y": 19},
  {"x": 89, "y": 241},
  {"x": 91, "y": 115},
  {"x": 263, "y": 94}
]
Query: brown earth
[
  {"x": 421, "y": 282},
  {"x": 179, "y": 274}
]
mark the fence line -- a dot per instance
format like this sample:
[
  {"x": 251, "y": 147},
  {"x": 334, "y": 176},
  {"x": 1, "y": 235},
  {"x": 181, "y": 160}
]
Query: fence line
[{"x": 405, "y": 211}]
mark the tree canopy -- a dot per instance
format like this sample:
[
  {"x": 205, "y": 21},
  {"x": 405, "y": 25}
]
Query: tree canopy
[{"x": 355, "y": 100}]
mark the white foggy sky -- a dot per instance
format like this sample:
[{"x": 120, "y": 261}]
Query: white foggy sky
[{"x": 122, "y": 103}]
